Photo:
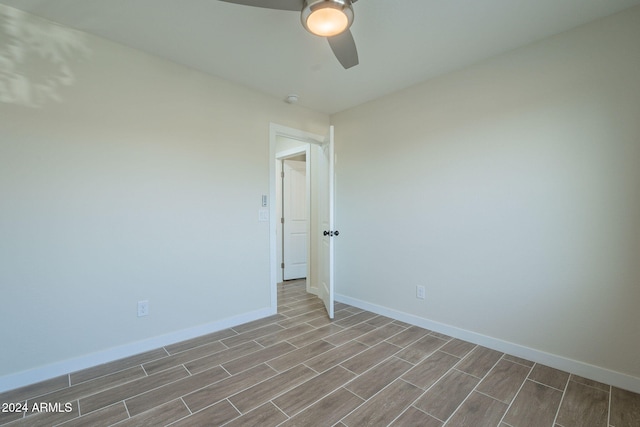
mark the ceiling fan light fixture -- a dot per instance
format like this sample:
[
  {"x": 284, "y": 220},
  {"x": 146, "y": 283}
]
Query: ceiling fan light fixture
[{"x": 327, "y": 18}]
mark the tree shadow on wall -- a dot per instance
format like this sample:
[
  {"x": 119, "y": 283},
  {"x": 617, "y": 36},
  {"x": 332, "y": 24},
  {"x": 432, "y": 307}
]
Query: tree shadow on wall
[{"x": 36, "y": 58}]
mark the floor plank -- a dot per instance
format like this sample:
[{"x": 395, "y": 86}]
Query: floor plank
[
  {"x": 385, "y": 406},
  {"x": 312, "y": 390},
  {"x": 267, "y": 390},
  {"x": 477, "y": 411},
  {"x": 504, "y": 380},
  {"x": 536, "y": 405},
  {"x": 625, "y": 408},
  {"x": 447, "y": 394},
  {"x": 583, "y": 405}
]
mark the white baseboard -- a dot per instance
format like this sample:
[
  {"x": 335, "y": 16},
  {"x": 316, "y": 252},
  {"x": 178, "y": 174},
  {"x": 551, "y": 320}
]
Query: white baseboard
[
  {"x": 53, "y": 370},
  {"x": 576, "y": 367}
]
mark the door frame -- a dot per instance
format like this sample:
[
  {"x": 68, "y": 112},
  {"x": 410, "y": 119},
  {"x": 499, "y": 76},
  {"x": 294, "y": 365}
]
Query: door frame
[{"x": 275, "y": 131}]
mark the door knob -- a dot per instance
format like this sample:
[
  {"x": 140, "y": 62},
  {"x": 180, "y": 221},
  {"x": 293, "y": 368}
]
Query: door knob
[{"x": 325, "y": 233}]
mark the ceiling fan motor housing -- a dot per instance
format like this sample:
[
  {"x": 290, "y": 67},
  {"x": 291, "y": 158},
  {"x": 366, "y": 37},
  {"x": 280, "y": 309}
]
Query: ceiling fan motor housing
[{"x": 312, "y": 6}]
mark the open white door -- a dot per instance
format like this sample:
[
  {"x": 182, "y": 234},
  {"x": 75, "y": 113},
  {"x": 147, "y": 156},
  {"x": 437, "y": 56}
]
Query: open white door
[{"x": 327, "y": 232}]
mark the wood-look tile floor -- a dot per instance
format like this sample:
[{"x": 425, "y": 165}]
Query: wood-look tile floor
[{"x": 298, "y": 368}]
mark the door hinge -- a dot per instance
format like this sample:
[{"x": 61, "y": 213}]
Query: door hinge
[
  {"x": 282, "y": 265},
  {"x": 281, "y": 220},
  {"x": 281, "y": 174}
]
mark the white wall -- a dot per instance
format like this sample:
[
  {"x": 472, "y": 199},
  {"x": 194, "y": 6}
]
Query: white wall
[
  {"x": 510, "y": 191},
  {"x": 143, "y": 182}
]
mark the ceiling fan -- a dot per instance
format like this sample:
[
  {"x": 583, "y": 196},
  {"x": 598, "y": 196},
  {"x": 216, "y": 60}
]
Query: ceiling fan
[{"x": 324, "y": 18}]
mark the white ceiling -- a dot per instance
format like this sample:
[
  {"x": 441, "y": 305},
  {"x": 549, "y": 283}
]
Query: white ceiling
[{"x": 400, "y": 42}]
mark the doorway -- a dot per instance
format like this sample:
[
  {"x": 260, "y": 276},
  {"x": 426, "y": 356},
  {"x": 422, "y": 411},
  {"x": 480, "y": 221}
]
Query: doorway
[{"x": 285, "y": 144}]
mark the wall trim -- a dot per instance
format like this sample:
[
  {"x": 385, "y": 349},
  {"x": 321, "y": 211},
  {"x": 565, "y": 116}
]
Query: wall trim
[
  {"x": 576, "y": 367},
  {"x": 21, "y": 379}
]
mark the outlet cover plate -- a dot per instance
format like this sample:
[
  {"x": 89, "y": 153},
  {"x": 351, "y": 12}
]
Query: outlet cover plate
[{"x": 143, "y": 308}]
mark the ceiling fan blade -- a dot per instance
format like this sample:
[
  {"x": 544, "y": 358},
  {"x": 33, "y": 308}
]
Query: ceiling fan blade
[
  {"x": 344, "y": 47},
  {"x": 295, "y": 5}
]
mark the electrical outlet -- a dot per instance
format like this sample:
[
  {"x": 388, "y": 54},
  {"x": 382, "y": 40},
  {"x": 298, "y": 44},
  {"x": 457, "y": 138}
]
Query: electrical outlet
[
  {"x": 143, "y": 308},
  {"x": 420, "y": 292}
]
